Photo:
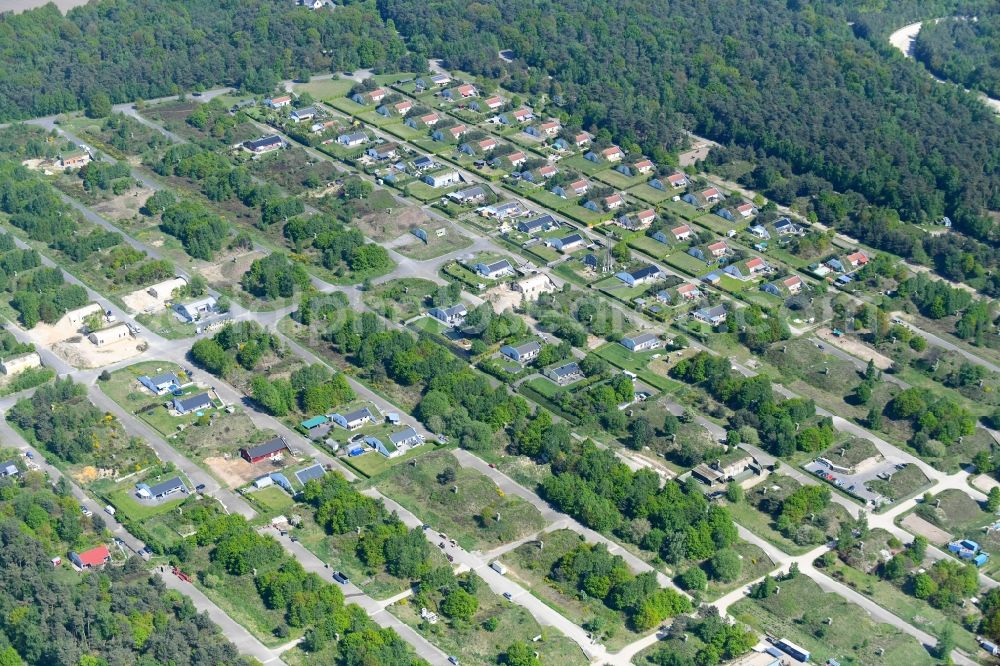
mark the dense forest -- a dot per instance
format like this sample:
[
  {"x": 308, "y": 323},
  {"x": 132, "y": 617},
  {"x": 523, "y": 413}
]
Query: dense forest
[
  {"x": 786, "y": 82},
  {"x": 123, "y": 50},
  {"x": 118, "y": 616},
  {"x": 963, "y": 51}
]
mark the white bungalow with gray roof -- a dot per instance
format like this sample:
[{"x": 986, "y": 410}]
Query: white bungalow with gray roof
[
  {"x": 496, "y": 270},
  {"x": 162, "y": 383},
  {"x": 452, "y": 316},
  {"x": 564, "y": 374},
  {"x": 161, "y": 490},
  {"x": 192, "y": 403},
  {"x": 641, "y": 342},
  {"x": 522, "y": 353},
  {"x": 8, "y": 469},
  {"x": 354, "y": 420}
]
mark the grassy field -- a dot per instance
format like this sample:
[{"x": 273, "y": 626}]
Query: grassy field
[
  {"x": 903, "y": 483},
  {"x": 473, "y": 643},
  {"x": 435, "y": 246},
  {"x": 373, "y": 463},
  {"x": 685, "y": 263},
  {"x": 271, "y": 501},
  {"x": 755, "y": 563},
  {"x": 121, "y": 495},
  {"x": 851, "y": 451},
  {"x": 531, "y": 565},
  {"x": 468, "y": 515},
  {"x": 918, "y": 613},
  {"x": 167, "y": 325},
  {"x": 125, "y": 390},
  {"x": 400, "y": 299},
  {"x": 798, "y": 613},
  {"x": 326, "y": 88}
]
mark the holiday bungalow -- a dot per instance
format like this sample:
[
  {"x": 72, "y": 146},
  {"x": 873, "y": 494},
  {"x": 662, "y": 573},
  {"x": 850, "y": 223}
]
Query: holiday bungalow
[
  {"x": 564, "y": 374},
  {"x": 639, "y": 276},
  {"x": 522, "y": 353},
  {"x": 269, "y": 450},
  {"x": 452, "y": 316},
  {"x": 90, "y": 559},
  {"x": 160, "y": 384},
  {"x": 353, "y": 139},
  {"x": 497, "y": 269},
  {"x": 370, "y": 97},
  {"x": 354, "y": 420},
  {"x": 681, "y": 233},
  {"x": 567, "y": 244},
  {"x": 161, "y": 490},
  {"x": 264, "y": 144},
  {"x": 713, "y": 316},
  {"x": 192, "y": 403},
  {"x": 278, "y": 102},
  {"x": 308, "y": 113},
  {"x": 537, "y": 225},
  {"x": 641, "y": 342}
]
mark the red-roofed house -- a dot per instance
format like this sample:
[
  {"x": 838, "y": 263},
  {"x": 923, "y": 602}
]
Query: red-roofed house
[
  {"x": 613, "y": 154},
  {"x": 711, "y": 195},
  {"x": 746, "y": 210},
  {"x": 646, "y": 217},
  {"x": 89, "y": 559},
  {"x": 756, "y": 265},
  {"x": 579, "y": 187},
  {"x": 547, "y": 171},
  {"x": 517, "y": 158},
  {"x": 583, "y": 138},
  {"x": 458, "y": 130},
  {"x": 856, "y": 259},
  {"x": 719, "y": 249},
  {"x": 278, "y": 102},
  {"x": 402, "y": 108},
  {"x": 681, "y": 233},
  {"x": 793, "y": 284},
  {"x": 494, "y": 103},
  {"x": 688, "y": 291},
  {"x": 549, "y": 128},
  {"x": 370, "y": 97},
  {"x": 522, "y": 115},
  {"x": 677, "y": 180},
  {"x": 488, "y": 144},
  {"x": 614, "y": 201},
  {"x": 463, "y": 91},
  {"x": 644, "y": 166}
]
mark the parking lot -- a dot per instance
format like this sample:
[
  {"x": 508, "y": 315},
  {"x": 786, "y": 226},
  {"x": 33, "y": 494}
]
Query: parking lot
[{"x": 857, "y": 484}]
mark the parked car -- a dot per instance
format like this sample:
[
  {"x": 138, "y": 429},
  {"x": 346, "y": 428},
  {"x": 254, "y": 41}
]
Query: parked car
[
  {"x": 200, "y": 487},
  {"x": 340, "y": 578},
  {"x": 508, "y": 596}
]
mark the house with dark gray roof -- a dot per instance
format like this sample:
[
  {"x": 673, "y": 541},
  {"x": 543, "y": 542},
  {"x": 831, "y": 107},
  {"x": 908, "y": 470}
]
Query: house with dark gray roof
[
  {"x": 310, "y": 473},
  {"x": 192, "y": 403},
  {"x": 273, "y": 448}
]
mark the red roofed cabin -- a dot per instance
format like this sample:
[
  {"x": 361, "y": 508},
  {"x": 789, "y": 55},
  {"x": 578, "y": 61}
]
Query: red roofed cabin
[
  {"x": 271, "y": 449},
  {"x": 89, "y": 559}
]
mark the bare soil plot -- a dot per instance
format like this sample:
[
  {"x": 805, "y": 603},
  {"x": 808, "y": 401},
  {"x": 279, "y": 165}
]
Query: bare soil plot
[
  {"x": 854, "y": 347},
  {"x": 234, "y": 471},
  {"x": 389, "y": 223},
  {"x": 80, "y": 352},
  {"x": 228, "y": 269},
  {"x": 125, "y": 206},
  {"x": 918, "y": 525}
]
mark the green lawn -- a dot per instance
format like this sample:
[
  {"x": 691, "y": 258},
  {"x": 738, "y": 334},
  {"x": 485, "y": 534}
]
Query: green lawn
[
  {"x": 918, "y": 613},
  {"x": 468, "y": 515},
  {"x": 167, "y": 325},
  {"x": 649, "y": 194},
  {"x": 374, "y": 463},
  {"x": 473, "y": 643},
  {"x": 326, "y": 88},
  {"x": 543, "y": 386},
  {"x": 121, "y": 495},
  {"x": 650, "y": 246},
  {"x": 400, "y": 299},
  {"x": 272, "y": 501},
  {"x": 531, "y": 565},
  {"x": 687, "y": 264},
  {"x": 755, "y": 563},
  {"x": 134, "y": 398}
]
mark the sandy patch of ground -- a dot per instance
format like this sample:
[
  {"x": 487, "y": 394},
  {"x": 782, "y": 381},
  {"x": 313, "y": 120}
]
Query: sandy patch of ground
[
  {"x": 502, "y": 298},
  {"x": 698, "y": 151},
  {"x": 229, "y": 270},
  {"x": 141, "y": 300},
  {"x": 382, "y": 227},
  {"x": 593, "y": 342},
  {"x": 234, "y": 472},
  {"x": 854, "y": 348},
  {"x": 125, "y": 206},
  {"x": 918, "y": 525},
  {"x": 48, "y": 334},
  {"x": 80, "y": 352},
  {"x": 985, "y": 482}
]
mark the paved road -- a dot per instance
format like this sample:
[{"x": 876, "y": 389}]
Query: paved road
[
  {"x": 137, "y": 427},
  {"x": 354, "y": 595},
  {"x": 500, "y": 585},
  {"x": 236, "y": 633}
]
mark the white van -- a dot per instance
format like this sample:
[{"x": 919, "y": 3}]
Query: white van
[{"x": 499, "y": 568}]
